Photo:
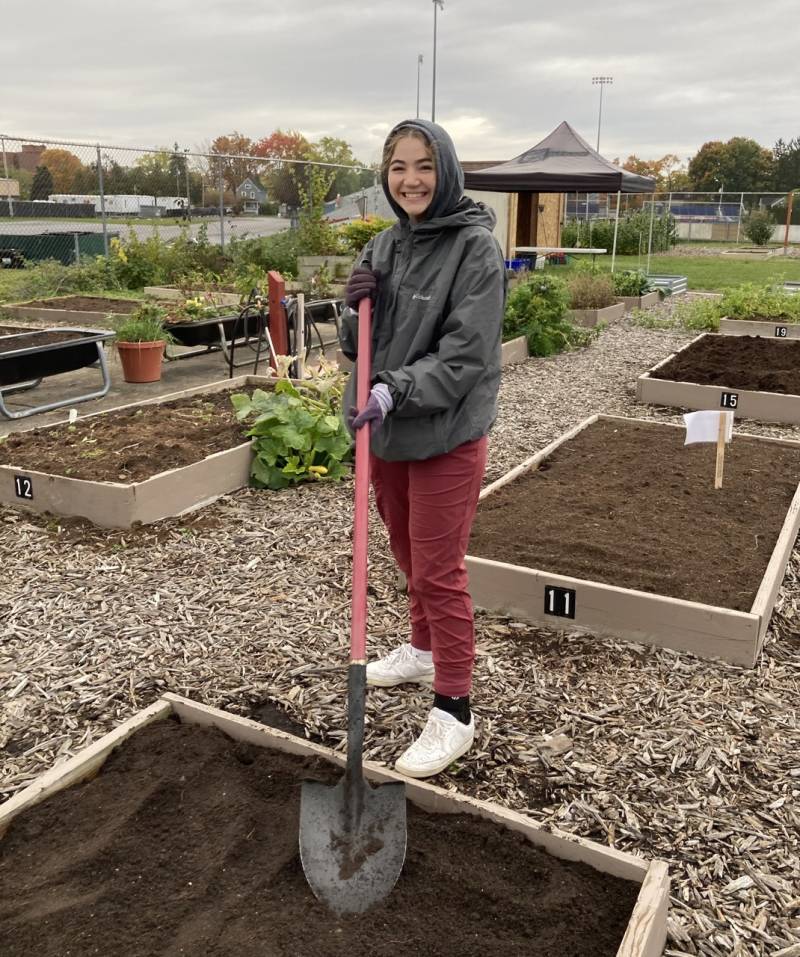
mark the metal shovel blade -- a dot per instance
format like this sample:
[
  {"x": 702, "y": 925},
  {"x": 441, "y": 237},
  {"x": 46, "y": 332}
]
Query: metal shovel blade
[{"x": 352, "y": 841}]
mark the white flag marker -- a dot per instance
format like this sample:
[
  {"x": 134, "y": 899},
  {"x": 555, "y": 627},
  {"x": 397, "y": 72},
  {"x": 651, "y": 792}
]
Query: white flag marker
[{"x": 710, "y": 426}]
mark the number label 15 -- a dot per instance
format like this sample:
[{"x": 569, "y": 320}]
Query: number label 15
[
  {"x": 559, "y": 601},
  {"x": 23, "y": 486},
  {"x": 729, "y": 400}
]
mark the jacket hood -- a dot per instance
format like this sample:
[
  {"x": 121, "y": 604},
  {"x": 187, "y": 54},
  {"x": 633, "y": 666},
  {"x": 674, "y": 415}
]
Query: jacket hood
[{"x": 449, "y": 205}]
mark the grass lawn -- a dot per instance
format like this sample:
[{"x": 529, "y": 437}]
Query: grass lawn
[
  {"x": 14, "y": 286},
  {"x": 709, "y": 273}
]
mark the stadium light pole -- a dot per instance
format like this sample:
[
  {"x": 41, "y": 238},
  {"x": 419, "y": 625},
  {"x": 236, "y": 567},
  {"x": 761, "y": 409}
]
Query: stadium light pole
[
  {"x": 601, "y": 81},
  {"x": 436, "y": 5},
  {"x": 419, "y": 68}
]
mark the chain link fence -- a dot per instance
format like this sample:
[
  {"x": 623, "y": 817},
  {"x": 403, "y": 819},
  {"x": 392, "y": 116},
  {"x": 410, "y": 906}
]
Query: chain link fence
[{"x": 66, "y": 200}]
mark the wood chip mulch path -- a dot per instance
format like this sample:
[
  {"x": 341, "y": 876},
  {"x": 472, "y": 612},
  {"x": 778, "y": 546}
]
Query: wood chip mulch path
[{"x": 245, "y": 606}]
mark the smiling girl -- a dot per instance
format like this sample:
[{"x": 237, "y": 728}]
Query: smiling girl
[{"x": 437, "y": 282}]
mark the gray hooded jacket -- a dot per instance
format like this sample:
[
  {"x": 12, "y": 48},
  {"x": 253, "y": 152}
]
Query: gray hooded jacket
[{"x": 437, "y": 320}]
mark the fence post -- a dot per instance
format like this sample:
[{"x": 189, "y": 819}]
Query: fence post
[
  {"x": 221, "y": 208},
  {"x": 789, "y": 200},
  {"x": 76, "y": 237},
  {"x": 650, "y": 237},
  {"x": 739, "y": 217},
  {"x": 616, "y": 229},
  {"x": 8, "y": 181},
  {"x": 102, "y": 202}
]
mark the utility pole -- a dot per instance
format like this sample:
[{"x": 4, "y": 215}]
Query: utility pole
[
  {"x": 419, "y": 68},
  {"x": 436, "y": 5},
  {"x": 601, "y": 81}
]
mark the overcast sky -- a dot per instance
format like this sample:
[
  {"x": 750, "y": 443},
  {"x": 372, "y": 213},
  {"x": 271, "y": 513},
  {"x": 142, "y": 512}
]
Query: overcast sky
[{"x": 149, "y": 73}]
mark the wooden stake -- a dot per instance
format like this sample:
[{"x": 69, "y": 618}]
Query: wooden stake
[{"x": 723, "y": 422}]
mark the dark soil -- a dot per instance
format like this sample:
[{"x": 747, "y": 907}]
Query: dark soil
[
  {"x": 34, "y": 338},
  {"x": 130, "y": 445},
  {"x": 738, "y": 362},
  {"x": 628, "y": 504},
  {"x": 88, "y": 304},
  {"x": 186, "y": 843}
]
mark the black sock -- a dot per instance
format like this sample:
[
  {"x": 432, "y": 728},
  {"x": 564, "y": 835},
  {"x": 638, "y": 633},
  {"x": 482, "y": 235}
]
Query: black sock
[{"x": 458, "y": 706}]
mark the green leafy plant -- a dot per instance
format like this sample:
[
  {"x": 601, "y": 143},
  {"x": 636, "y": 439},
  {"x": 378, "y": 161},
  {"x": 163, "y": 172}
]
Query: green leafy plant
[
  {"x": 753, "y": 301},
  {"x": 630, "y": 282},
  {"x": 701, "y": 315},
  {"x": 758, "y": 227},
  {"x": 298, "y": 432},
  {"x": 647, "y": 319},
  {"x": 355, "y": 235},
  {"x": 146, "y": 324},
  {"x": 633, "y": 233},
  {"x": 591, "y": 290},
  {"x": 536, "y": 309}
]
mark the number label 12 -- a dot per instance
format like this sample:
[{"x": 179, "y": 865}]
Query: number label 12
[
  {"x": 23, "y": 486},
  {"x": 730, "y": 400},
  {"x": 559, "y": 601}
]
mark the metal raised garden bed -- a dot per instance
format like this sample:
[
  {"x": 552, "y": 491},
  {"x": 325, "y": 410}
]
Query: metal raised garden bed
[
  {"x": 563, "y": 602},
  {"x": 669, "y": 285},
  {"x": 744, "y": 403},
  {"x": 25, "y": 367},
  {"x": 120, "y": 505},
  {"x": 645, "y": 935}
]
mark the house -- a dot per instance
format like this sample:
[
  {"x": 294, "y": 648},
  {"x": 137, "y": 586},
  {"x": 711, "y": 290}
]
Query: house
[
  {"x": 27, "y": 158},
  {"x": 251, "y": 194}
]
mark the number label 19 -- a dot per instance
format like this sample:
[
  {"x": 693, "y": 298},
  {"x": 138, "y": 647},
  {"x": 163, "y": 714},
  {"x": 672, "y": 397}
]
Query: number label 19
[
  {"x": 730, "y": 400},
  {"x": 559, "y": 601},
  {"x": 781, "y": 332},
  {"x": 23, "y": 486}
]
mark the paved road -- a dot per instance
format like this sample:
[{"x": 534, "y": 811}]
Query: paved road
[{"x": 239, "y": 226}]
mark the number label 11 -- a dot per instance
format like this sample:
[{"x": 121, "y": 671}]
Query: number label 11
[
  {"x": 730, "y": 400},
  {"x": 559, "y": 601},
  {"x": 23, "y": 486}
]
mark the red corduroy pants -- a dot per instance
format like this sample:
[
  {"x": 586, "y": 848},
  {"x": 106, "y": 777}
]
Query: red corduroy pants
[{"x": 428, "y": 508}]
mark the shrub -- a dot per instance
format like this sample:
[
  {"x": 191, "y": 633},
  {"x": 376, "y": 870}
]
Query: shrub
[
  {"x": 536, "y": 308},
  {"x": 630, "y": 282},
  {"x": 758, "y": 227},
  {"x": 753, "y": 301},
  {"x": 278, "y": 252},
  {"x": 146, "y": 262},
  {"x": 632, "y": 235},
  {"x": 591, "y": 290},
  {"x": 355, "y": 235}
]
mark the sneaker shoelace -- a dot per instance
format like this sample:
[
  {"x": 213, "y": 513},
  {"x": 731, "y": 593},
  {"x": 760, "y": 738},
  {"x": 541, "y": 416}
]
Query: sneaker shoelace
[{"x": 433, "y": 739}]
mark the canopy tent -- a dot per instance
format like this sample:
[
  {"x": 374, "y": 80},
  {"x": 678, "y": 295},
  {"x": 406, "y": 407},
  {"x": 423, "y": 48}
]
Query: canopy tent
[{"x": 562, "y": 162}]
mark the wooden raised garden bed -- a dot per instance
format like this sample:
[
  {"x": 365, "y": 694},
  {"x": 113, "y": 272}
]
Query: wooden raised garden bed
[
  {"x": 591, "y": 317},
  {"x": 72, "y": 310},
  {"x": 178, "y": 832},
  {"x": 771, "y": 328},
  {"x": 753, "y": 377},
  {"x": 29, "y": 356},
  {"x": 639, "y": 302},
  {"x": 616, "y": 528},
  {"x": 124, "y": 466},
  {"x": 228, "y": 297}
]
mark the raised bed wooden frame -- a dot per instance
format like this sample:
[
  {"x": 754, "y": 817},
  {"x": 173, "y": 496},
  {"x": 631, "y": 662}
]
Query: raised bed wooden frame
[
  {"x": 639, "y": 302},
  {"x": 597, "y": 608},
  {"x": 770, "y": 328},
  {"x": 591, "y": 317},
  {"x": 120, "y": 505},
  {"x": 23, "y": 310},
  {"x": 744, "y": 403},
  {"x": 646, "y": 932}
]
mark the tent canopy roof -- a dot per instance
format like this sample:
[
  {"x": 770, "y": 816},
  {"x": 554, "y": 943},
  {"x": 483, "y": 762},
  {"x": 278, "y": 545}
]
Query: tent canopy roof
[{"x": 562, "y": 162}]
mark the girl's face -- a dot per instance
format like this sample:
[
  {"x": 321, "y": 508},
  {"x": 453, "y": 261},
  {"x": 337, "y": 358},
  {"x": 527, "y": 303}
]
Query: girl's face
[{"x": 412, "y": 177}]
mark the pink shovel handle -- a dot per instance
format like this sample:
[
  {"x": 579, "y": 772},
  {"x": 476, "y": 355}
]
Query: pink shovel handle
[{"x": 358, "y": 616}]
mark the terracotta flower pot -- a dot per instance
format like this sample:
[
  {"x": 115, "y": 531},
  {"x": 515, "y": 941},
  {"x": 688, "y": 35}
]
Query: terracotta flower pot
[{"x": 141, "y": 361}]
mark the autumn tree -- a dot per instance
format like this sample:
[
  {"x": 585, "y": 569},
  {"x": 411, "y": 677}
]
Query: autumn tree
[
  {"x": 235, "y": 148},
  {"x": 664, "y": 171},
  {"x": 64, "y": 167},
  {"x": 280, "y": 179},
  {"x": 740, "y": 165},
  {"x": 42, "y": 185},
  {"x": 329, "y": 149}
]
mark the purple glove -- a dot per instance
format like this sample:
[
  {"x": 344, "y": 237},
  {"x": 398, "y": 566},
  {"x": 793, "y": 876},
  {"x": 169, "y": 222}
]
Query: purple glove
[
  {"x": 379, "y": 403},
  {"x": 362, "y": 284}
]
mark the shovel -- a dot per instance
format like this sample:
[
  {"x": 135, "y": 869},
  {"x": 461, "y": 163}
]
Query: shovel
[{"x": 353, "y": 835}]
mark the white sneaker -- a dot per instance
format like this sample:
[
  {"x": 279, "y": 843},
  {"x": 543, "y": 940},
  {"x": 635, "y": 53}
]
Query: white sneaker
[
  {"x": 400, "y": 666},
  {"x": 443, "y": 739}
]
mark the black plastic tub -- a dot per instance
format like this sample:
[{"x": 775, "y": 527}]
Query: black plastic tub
[
  {"x": 206, "y": 332},
  {"x": 31, "y": 361}
]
